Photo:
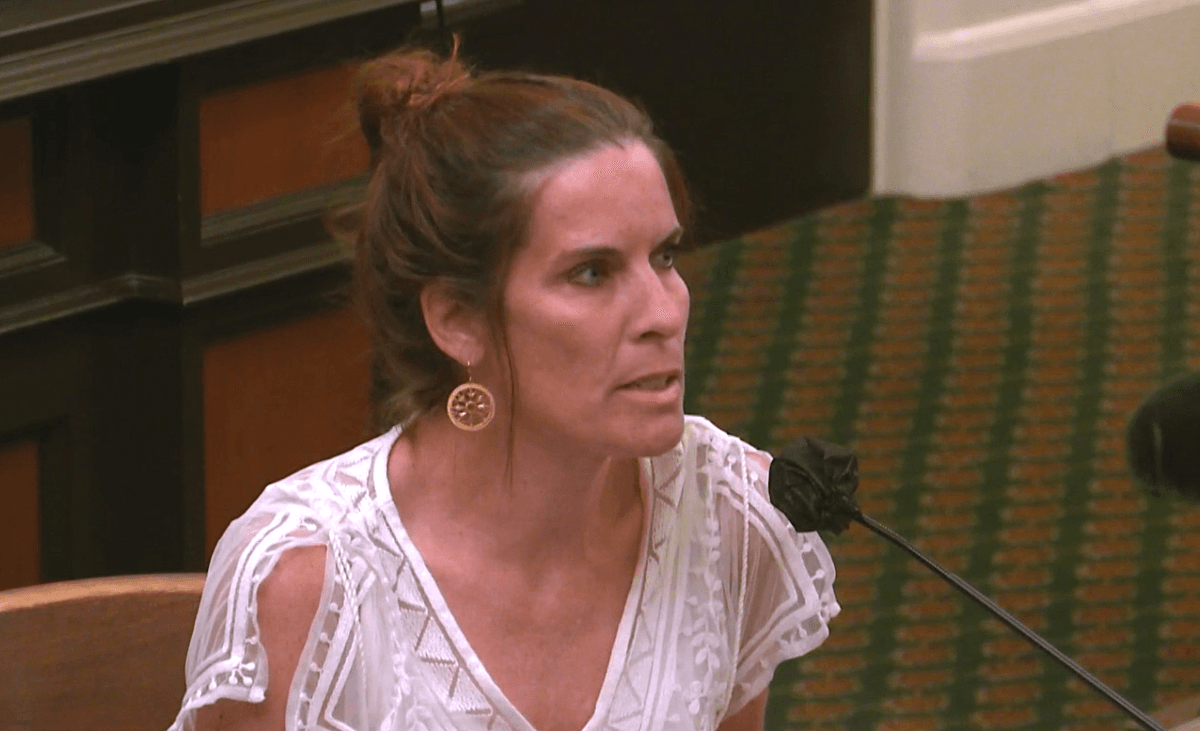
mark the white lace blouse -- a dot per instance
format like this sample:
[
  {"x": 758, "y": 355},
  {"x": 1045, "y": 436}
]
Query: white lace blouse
[{"x": 713, "y": 607}]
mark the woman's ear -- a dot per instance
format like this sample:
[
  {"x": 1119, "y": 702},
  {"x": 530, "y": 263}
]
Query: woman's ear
[{"x": 458, "y": 329}]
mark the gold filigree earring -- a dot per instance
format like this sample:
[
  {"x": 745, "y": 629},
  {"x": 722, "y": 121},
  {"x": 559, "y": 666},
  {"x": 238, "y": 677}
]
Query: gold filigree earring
[{"x": 471, "y": 406}]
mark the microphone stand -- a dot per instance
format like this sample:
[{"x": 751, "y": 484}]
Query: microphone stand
[
  {"x": 812, "y": 482},
  {"x": 1013, "y": 623}
]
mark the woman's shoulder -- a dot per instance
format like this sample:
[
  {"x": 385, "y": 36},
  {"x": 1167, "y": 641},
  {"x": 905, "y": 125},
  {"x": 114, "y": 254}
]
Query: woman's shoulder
[
  {"x": 698, "y": 426},
  {"x": 343, "y": 479},
  {"x": 331, "y": 494},
  {"x": 281, "y": 576},
  {"x": 698, "y": 429},
  {"x": 707, "y": 445}
]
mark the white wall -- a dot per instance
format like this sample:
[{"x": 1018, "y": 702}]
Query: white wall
[
  {"x": 977, "y": 95},
  {"x": 941, "y": 15}
]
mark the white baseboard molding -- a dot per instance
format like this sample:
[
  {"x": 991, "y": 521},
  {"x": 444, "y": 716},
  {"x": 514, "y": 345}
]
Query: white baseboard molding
[
  {"x": 1038, "y": 27},
  {"x": 996, "y": 104}
]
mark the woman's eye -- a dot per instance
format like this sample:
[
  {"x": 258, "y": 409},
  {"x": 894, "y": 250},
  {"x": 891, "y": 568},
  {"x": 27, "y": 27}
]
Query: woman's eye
[
  {"x": 665, "y": 257},
  {"x": 590, "y": 274}
]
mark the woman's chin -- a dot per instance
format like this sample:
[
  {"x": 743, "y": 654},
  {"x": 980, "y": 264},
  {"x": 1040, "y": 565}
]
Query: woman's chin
[
  {"x": 658, "y": 437},
  {"x": 624, "y": 437}
]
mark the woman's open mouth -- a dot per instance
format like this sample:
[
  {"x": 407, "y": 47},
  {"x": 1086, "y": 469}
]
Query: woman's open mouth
[
  {"x": 665, "y": 383},
  {"x": 652, "y": 383}
]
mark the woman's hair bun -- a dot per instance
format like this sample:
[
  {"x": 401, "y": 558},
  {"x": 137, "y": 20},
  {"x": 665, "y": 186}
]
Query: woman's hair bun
[{"x": 403, "y": 84}]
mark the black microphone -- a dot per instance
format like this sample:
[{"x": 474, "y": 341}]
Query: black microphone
[
  {"x": 1164, "y": 439},
  {"x": 812, "y": 483}
]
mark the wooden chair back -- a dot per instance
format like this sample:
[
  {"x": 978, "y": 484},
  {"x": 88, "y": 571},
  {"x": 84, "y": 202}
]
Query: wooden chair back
[
  {"x": 1182, "y": 715},
  {"x": 96, "y": 654}
]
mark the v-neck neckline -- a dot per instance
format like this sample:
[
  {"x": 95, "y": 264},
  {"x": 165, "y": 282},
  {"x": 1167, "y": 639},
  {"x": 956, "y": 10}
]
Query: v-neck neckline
[{"x": 618, "y": 655}]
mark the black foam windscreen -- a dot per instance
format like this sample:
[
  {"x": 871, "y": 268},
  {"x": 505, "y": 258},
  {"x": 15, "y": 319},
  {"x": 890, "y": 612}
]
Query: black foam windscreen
[{"x": 1163, "y": 439}]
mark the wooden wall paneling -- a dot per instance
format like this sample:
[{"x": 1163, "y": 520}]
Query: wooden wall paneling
[
  {"x": 68, "y": 550},
  {"x": 136, "y": 434},
  {"x": 97, "y": 382},
  {"x": 20, "y": 539},
  {"x": 107, "y": 168},
  {"x": 238, "y": 305},
  {"x": 135, "y": 174},
  {"x": 29, "y": 266},
  {"x": 54, "y": 277},
  {"x": 110, "y": 186},
  {"x": 16, "y": 181},
  {"x": 56, "y": 43},
  {"x": 103, "y": 393},
  {"x": 104, "y": 369},
  {"x": 33, "y": 26},
  {"x": 275, "y": 401},
  {"x": 242, "y": 312},
  {"x": 275, "y": 137},
  {"x": 281, "y": 55},
  {"x": 42, "y": 377},
  {"x": 188, "y": 146},
  {"x": 134, "y": 423},
  {"x": 288, "y": 116},
  {"x": 63, "y": 177},
  {"x": 190, "y": 457}
]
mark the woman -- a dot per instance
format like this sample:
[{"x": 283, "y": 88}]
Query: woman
[{"x": 544, "y": 541}]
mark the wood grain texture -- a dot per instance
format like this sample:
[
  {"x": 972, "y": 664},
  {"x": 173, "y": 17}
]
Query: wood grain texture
[
  {"x": 276, "y": 401},
  {"x": 20, "y": 542},
  {"x": 96, "y": 654},
  {"x": 44, "y": 49},
  {"x": 276, "y": 137},
  {"x": 16, "y": 182}
]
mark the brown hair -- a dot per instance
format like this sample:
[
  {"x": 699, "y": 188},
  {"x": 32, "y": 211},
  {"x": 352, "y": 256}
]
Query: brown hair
[{"x": 453, "y": 157}]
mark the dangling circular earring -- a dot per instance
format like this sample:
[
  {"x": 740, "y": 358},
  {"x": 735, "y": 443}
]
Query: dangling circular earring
[{"x": 471, "y": 406}]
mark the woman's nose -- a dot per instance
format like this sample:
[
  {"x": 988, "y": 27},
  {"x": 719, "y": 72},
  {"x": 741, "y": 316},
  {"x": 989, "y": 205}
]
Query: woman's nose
[{"x": 661, "y": 305}]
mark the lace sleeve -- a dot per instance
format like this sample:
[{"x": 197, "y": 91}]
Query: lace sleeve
[
  {"x": 226, "y": 657},
  {"x": 788, "y": 596}
]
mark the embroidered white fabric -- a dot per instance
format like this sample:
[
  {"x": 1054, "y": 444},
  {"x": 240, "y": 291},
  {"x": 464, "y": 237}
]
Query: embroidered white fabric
[{"x": 712, "y": 610}]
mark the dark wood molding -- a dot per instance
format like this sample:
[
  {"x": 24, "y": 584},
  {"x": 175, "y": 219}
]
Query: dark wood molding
[
  {"x": 326, "y": 256},
  {"x": 28, "y": 255},
  {"x": 48, "y": 55},
  {"x": 277, "y": 238},
  {"x": 99, "y": 256},
  {"x": 284, "y": 225},
  {"x": 457, "y": 12},
  {"x": 270, "y": 304},
  {"x": 252, "y": 274},
  {"x": 234, "y": 226},
  {"x": 86, "y": 298},
  {"x": 348, "y": 39}
]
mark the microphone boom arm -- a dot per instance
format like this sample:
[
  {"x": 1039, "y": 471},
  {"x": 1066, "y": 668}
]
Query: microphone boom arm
[{"x": 1013, "y": 623}]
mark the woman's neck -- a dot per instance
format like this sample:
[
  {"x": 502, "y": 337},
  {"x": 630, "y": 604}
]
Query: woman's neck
[{"x": 552, "y": 503}]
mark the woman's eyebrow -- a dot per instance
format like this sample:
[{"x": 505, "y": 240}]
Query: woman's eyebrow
[
  {"x": 589, "y": 252},
  {"x": 601, "y": 251}
]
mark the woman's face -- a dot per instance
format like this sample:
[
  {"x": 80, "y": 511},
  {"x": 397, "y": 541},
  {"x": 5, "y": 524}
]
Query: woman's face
[{"x": 595, "y": 310}]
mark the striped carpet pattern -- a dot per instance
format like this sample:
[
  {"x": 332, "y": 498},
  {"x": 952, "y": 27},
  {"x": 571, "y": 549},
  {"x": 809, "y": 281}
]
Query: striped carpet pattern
[{"x": 982, "y": 356}]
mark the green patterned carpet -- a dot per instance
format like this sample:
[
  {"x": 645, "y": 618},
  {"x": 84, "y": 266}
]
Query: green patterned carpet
[{"x": 982, "y": 356}]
